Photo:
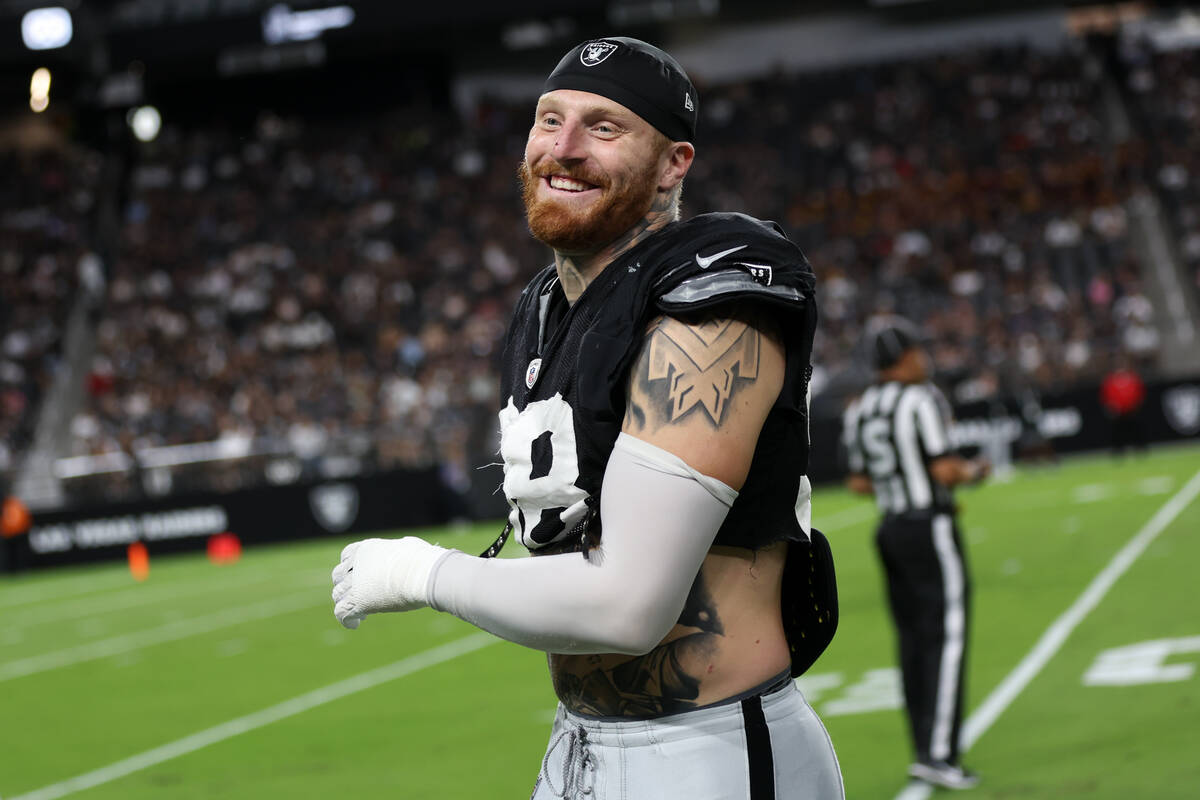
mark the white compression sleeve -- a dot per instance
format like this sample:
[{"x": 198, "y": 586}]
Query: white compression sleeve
[{"x": 660, "y": 518}]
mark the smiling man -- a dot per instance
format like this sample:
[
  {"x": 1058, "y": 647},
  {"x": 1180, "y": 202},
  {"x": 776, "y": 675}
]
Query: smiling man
[{"x": 655, "y": 446}]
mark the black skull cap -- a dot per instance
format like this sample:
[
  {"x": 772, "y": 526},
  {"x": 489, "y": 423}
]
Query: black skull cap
[{"x": 637, "y": 75}]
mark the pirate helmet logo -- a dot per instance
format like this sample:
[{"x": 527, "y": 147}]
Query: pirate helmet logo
[
  {"x": 334, "y": 505},
  {"x": 1181, "y": 405},
  {"x": 595, "y": 52}
]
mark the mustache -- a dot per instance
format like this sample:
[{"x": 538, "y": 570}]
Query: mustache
[{"x": 550, "y": 166}]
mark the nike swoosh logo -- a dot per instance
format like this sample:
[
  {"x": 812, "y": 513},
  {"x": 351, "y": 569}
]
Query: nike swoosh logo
[{"x": 706, "y": 261}]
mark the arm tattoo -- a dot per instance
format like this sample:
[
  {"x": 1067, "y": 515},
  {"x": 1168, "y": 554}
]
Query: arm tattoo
[
  {"x": 664, "y": 681},
  {"x": 684, "y": 367}
]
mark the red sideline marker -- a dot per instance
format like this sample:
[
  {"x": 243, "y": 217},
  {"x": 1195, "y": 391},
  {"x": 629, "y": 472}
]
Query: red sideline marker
[{"x": 224, "y": 548}]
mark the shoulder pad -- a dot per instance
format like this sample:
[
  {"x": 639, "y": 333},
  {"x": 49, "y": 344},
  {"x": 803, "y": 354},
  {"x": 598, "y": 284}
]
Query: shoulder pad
[
  {"x": 744, "y": 282},
  {"x": 716, "y": 258}
]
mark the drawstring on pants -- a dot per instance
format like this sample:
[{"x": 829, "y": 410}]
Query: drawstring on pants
[{"x": 578, "y": 766}]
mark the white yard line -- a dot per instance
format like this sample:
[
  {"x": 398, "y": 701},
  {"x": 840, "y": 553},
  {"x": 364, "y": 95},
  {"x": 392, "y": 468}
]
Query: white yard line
[
  {"x": 259, "y": 719},
  {"x": 1054, "y": 637},
  {"x": 58, "y": 588},
  {"x": 172, "y": 631},
  {"x": 143, "y": 596}
]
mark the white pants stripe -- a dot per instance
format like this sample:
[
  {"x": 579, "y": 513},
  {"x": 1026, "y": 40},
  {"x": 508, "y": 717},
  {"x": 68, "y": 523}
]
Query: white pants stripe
[{"x": 954, "y": 625}]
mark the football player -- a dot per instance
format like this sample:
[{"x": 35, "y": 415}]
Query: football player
[{"x": 655, "y": 447}]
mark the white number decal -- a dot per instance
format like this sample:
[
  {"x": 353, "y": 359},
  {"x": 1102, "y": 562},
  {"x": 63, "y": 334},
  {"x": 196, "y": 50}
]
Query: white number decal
[{"x": 541, "y": 466}]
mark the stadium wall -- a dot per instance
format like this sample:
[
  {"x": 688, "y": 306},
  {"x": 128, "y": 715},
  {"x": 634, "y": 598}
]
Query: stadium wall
[
  {"x": 1071, "y": 421},
  {"x": 367, "y": 504}
]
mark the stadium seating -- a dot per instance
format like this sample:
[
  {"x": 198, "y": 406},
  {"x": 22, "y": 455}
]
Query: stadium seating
[
  {"x": 1166, "y": 93},
  {"x": 44, "y": 248},
  {"x": 336, "y": 290},
  {"x": 976, "y": 193}
]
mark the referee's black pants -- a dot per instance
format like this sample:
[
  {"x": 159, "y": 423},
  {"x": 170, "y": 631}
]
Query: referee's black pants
[{"x": 929, "y": 591}]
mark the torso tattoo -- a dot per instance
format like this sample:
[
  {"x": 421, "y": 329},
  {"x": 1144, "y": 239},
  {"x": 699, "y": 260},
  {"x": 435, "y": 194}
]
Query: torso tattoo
[{"x": 664, "y": 681}]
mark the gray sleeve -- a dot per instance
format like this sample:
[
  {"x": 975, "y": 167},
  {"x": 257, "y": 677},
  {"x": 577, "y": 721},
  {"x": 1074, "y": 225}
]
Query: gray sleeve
[{"x": 660, "y": 518}]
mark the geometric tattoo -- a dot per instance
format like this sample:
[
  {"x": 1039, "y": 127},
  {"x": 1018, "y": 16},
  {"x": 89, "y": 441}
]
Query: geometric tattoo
[{"x": 701, "y": 363}]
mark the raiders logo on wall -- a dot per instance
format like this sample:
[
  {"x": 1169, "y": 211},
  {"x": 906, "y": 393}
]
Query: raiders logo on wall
[
  {"x": 1181, "y": 405},
  {"x": 334, "y": 505}
]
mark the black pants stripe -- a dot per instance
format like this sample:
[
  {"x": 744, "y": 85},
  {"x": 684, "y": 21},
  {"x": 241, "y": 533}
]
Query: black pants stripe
[
  {"x": 758, "y": 750},
  {"x": 928, "y": 591}
]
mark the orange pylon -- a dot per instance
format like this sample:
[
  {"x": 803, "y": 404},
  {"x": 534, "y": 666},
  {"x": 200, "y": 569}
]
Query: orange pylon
[{"x": 139, "y": 561}]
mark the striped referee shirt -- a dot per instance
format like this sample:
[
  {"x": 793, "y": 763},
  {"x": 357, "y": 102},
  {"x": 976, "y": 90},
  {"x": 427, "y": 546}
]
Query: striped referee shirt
[{"x": 892, "y": 433}]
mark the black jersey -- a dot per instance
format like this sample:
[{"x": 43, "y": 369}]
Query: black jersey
[{"x": 565, "y": 369}]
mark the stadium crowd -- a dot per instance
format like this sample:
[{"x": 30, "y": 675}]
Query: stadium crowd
[
  {"x": 45, "y": 252},
  {"x": 314, "y": 290},
  {"x": 975, "y": 193},
  {"x": 1166, "y": 87},
  {"x": 340, "y": 287}
]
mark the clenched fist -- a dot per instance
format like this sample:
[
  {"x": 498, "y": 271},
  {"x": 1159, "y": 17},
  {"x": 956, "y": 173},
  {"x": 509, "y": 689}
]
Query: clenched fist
[{"x": 383, "y": 575}]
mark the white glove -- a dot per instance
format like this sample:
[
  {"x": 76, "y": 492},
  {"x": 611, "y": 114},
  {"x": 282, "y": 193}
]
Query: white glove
[{"x": 383, "y": 575}]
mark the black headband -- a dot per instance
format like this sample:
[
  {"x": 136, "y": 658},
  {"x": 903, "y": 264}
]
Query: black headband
[{"x": 637, "y": 75}]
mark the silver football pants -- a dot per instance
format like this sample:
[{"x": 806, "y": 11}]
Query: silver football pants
[{"x": 767, "y": 747}]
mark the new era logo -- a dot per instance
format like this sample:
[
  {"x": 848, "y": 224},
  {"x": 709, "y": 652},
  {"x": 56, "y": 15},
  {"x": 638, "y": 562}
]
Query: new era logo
[{"x": 687, "y": 102}]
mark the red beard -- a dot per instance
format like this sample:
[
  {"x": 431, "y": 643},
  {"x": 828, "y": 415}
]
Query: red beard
[{"x": 622, "y": 205}]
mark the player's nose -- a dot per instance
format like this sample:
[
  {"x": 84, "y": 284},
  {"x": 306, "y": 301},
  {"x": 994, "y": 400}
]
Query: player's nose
[{"x": 569, "y": 142}]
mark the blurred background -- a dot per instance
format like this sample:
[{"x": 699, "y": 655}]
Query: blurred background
[{"x": 256, "y": 259}]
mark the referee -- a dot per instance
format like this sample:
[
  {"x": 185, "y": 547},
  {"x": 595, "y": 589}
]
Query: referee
[{"x": 898, "y": 448}]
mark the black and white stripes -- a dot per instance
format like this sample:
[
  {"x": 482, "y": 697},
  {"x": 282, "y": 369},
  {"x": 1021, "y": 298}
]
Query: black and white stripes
[{"x": 892, "y": 434}]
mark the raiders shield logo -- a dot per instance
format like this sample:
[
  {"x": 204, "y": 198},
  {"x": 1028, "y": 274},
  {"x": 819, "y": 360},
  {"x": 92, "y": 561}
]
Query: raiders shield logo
[
  {"x": 595, "y": 52},
  {"x": 1181, "y": 406},
  {"x": 762, "y": 273},
  {"x": 334, "y": 505}
]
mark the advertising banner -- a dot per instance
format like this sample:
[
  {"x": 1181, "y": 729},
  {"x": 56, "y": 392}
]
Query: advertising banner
[{"x": 380, "y": 502}]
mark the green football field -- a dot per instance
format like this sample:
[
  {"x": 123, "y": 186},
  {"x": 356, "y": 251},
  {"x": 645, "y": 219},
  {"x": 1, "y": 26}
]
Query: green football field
[{"x": 237, "y": 682}]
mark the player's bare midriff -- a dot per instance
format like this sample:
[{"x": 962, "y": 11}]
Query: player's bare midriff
[{"x": 729, "y": 639}]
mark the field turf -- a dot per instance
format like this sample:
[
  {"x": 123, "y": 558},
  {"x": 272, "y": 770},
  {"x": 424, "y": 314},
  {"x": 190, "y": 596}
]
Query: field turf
[{"x": 235, "y": 681}]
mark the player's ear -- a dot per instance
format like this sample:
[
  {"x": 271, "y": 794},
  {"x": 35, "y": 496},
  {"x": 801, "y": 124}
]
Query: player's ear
[{"x": 678, "y": 161}]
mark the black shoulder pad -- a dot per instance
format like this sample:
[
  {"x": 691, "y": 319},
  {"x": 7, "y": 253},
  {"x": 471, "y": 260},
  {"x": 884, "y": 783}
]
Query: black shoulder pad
[
  {"x": 716, "y": 258},
  {"x": 743, "y": 282}
]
